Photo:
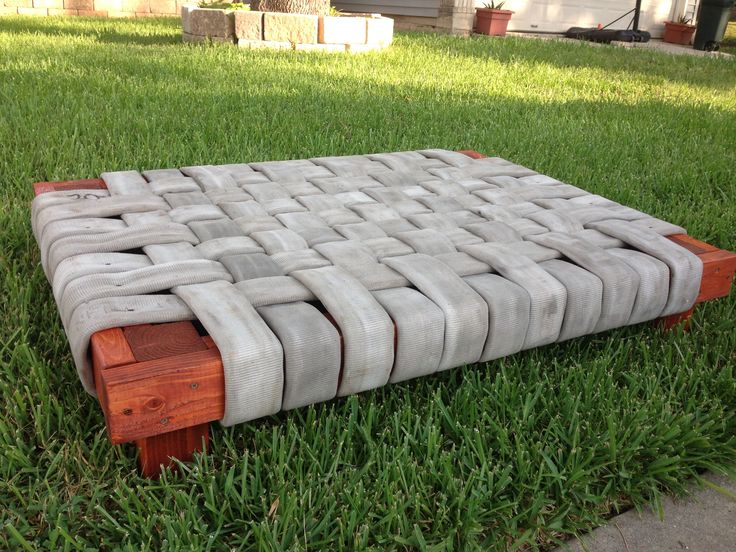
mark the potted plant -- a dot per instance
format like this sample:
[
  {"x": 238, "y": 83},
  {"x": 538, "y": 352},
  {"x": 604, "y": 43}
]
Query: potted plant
[
  {"x": 492, "y": 20},
  {"x": 680, "y": 31}
]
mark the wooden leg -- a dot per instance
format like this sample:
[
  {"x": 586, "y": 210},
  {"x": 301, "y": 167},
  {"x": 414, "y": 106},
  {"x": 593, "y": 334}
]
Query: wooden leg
[
  {"x": 157, "y": 451},
  {"x": 166, "y": 421},
  {"x": 669, "y": 322}
]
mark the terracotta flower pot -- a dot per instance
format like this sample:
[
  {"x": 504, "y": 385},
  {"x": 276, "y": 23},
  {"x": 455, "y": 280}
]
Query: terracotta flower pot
[
  {"x": 492, "y": 22},
  {"x": 678, "y": 33}
]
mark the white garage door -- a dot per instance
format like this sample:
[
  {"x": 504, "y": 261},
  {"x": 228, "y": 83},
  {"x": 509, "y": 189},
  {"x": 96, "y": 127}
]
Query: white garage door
[{"x": 559, "y": 15}]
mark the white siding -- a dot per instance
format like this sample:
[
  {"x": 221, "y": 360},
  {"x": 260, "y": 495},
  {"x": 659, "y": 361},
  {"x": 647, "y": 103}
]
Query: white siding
[
  {"x": 416, "y": 8},
  {"x": 559, "y": 15}
]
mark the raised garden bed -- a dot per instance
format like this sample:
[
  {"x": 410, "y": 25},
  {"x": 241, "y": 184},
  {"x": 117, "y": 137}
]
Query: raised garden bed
[{"x": 256, "y": 29}]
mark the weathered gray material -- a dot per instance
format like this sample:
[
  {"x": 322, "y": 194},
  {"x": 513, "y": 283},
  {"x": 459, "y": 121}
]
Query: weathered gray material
[
  {"x": 336, "y": 275},
  {"x": 311, "y": 352},
  {"x": 367, "y": 330},
  {"x": 252, "y": 356}
]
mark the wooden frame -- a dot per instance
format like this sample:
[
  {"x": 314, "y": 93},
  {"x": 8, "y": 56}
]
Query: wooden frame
[{"x": 160, "y": 385}]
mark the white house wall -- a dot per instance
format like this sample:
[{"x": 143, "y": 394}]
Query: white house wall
[{"x": 559, "y": 15}]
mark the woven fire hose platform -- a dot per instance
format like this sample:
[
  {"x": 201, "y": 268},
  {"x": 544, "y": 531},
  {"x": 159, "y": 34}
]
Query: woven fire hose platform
[{"x": 326, "y": 277}]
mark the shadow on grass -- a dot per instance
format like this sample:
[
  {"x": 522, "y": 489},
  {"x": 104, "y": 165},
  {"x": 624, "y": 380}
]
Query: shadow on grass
[{"x": 143, "y": 31}]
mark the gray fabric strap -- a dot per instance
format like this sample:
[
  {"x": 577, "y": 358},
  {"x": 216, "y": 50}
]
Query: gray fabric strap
[
  {"x": 548, "y": 296},
  {"x": 122, "y": 240},
  {"x": 420, "y": 332},
  {"x": 584, "y": 298},
  {"x": 94, "y": 263},
  {"x": 274, "y": 289},
  {"x": 654, "y": 278},
  {"x": 509, "y": 307},
  {"x": 686, "y": 268},
  {"x": 367, "y": 331},
  {"x": 114, "y": 312},
  {"x": 125, "y": 183},
  {"x": 252, "y": 356},
  {"x": 620, "y": 282},
  {"x": 149, "y": 279},
  {"x": 75, "y": 227},
  {"x": 466, "y": 314},
  {"x": 102, "y": 207},
  {"x": 360, "y": 261},
  {"x": 311, "y": 352}
]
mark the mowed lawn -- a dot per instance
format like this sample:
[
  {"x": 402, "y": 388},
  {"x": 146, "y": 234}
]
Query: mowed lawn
[{"x": 514, "y": 454}]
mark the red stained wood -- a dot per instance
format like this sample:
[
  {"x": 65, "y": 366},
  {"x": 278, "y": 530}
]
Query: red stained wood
[
  {"x": 158, "y": 451},
  {"x": 669, "y": 322},
  {"x": 719, "y": 267},
  {"x": 158, "y": 396},
  {"x": 109, "y": 349},
  {"x": 691, "y": 244},
  {"x": 718, "y": 272},
  {"x": 86, "y": 184},
  {"x": 153, "y": 341},
  {"x": 209, "y": 342},
  {"x": 473, "y": 154}
]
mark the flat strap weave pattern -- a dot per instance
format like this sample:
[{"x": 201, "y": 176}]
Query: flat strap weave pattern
[{"x": 324, "y": 277}]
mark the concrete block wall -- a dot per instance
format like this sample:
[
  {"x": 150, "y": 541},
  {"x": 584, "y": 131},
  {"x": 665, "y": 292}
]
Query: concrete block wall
[{"x": 100, "y": 8}]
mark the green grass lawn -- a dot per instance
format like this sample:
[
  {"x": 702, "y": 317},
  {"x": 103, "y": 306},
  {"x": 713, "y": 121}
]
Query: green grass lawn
[{"x": 517, "y": 453}]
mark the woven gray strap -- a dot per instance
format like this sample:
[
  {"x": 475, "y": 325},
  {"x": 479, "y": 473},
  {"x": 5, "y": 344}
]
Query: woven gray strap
[
  {"x": 620, "y": 282},
  {"x": 367, "y": 331},
  {"x": 686, "y": 268},
  {"x": 466, "y": 314},
  {"x": 420, "y": 332},
  {"x": 330, "y": 276},
  {"x": 311, "y": 352},
  {"x": 509, "y": 309},
  {"x": 548, "y": 296},
  {"x": 584, "y": 298},
  {"x": 252, "y": 356},
  {"x": 113, "y": 312}
]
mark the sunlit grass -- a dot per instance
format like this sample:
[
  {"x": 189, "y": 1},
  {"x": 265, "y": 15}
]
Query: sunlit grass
[{"x": 520, "y": 452}]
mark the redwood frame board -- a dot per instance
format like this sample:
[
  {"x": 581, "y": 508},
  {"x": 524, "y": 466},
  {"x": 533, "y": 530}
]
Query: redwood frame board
[{"x": 160, "y": 385}]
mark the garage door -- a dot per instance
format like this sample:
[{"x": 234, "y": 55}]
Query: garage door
[{"x": 559, "y": 15}]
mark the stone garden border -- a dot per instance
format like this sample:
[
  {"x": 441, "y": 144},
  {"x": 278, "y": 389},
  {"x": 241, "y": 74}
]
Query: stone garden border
[{"x": 255, "y": 29}]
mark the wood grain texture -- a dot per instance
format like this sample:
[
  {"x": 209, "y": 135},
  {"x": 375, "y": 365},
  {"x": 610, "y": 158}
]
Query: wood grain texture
[
  {"x": 719, "y": 267},
  {"x": 158, "y": 396},
  {"x": 158, "y": 451},
  {"x": 109, "y": 349},
  {"x": 153, "y": 341}
]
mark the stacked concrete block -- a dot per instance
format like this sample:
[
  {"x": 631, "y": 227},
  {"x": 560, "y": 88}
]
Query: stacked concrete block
[
  {"x": 358, "y": 33},
  {"x": 248, "y": 29},
  {"x": 201, "y": 24},
  {"x": 294, "y": 28},
  {"x": 248, "y": 25},
  {"x": 342, "y": 30}
]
